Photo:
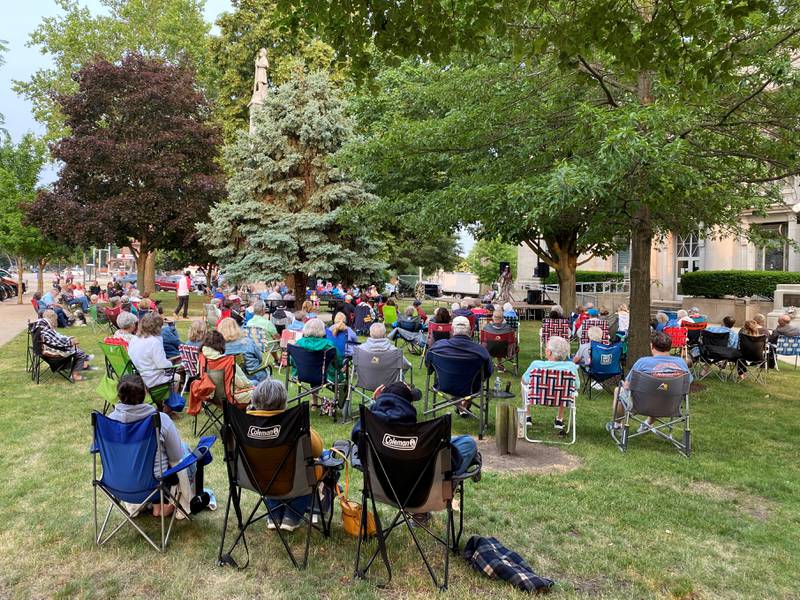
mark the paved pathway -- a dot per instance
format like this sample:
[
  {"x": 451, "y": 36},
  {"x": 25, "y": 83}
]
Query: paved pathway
[{"x": 13, "y": 318}]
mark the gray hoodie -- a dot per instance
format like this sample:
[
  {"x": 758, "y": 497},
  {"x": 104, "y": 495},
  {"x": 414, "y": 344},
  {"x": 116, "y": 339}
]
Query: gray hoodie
[{"x": 172, "y": 447}]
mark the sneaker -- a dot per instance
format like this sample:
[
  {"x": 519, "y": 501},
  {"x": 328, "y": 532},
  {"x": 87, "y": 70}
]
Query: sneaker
[
  {"x": 643, "y": 427},
  {"x": 420, "y": 519},
  {"x": 559, "y": 425},
  {"x": 271, "y": 524},
  {"x": 90, "y": 358},
  {"x": 290, "y": 523},
  {"x": 611, "y": 426},
  {"x": 597, "y": 386}
]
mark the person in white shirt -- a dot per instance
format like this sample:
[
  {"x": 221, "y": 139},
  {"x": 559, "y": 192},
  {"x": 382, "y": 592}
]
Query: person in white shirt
[
  {"x": 146, "y": 351},
  {"x": 184, "y": 287}
]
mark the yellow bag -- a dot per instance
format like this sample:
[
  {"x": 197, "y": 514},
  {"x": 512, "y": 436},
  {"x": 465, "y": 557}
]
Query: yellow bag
[{"x": 351, "y": 510}]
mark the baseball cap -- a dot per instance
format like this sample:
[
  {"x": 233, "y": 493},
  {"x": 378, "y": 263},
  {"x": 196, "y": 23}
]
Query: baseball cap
[
  {"x": 460, "y": 321},
  {"x": 593, "y": 312},
  {"x": 399, "y": 388}
]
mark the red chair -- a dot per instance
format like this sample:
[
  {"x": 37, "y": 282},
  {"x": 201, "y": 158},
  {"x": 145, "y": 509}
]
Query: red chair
[
  {"x": 679, "y": 337},
  {"x": 436, "y": 332},
  {"x": 593, "y": 322},
  {"x": 551, "y": 327},
  {"x": 502, "y": 346},
  {"x": 551, "y": 387}
]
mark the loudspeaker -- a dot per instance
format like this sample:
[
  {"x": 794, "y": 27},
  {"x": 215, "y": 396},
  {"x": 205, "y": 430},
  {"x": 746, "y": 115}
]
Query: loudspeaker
[
  {"x": 503, "y": 266},
  {"x": 542, "y": 270},
  {"x": 534, "y": 296}
]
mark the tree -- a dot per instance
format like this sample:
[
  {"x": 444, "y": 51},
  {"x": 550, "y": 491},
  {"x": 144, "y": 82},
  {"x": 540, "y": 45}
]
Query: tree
[
  {"x": 171, "y": 29},
  {"x": 289, "y": 212},
  {"x": 139, "y": 164},
  {"x": 253, "y": 24},
  {"x": 19, "y": 171},
  {"x": 485, "y": 257},
  {"x": 700, "y": 115}
]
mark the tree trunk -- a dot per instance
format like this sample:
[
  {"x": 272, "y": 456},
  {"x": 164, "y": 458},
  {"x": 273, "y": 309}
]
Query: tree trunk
[
  {"x": 641, "y": 248},
  {"x": 150, "y": 273},
  {"x": 20, "y": 281},
  {"x": 300, "y": 283},
  {"x": 141, "y": 261},
  {"x": 565, "y": 270},
  {"x": 40, "y": 275}
]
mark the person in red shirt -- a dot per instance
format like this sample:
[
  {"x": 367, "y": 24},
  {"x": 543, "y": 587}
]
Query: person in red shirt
[{"x": 423, "y": 316}]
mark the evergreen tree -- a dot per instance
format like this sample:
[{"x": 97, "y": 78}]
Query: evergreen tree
[{"x": 290, "y": 213}]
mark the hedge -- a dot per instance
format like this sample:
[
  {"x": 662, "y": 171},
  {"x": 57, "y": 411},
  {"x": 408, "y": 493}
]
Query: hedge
[
  {"x": 584, "y": 276},
  {"x": 741, "y": 284}
]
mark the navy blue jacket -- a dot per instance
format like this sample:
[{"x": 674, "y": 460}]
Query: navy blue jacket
[
  {"x": 171, "y": 341},
  {"x": 390, "y": 408},
  {"x": 459, "y": 345}
]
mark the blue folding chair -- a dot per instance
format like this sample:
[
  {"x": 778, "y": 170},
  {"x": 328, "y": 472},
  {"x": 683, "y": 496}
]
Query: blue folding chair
[
  {"x": 458, "y": 379},
  {"x": 606, "y": 365},
  {"x": 311, "y": 373},
  {"x": 127, "y": 453}
]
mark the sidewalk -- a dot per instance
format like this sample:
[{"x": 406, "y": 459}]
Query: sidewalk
[{"x": 14, "y": 318}]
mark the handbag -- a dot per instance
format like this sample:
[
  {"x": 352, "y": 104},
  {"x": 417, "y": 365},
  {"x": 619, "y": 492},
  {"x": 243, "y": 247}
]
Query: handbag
[{"x": 352, "y": 510}]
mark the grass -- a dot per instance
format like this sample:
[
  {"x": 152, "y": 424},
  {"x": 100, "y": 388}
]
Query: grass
[{"x": 649, "y": 524}]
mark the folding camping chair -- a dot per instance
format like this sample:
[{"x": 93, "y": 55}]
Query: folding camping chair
[
  {"x": 312, "y": 373},
  {"x": 190, "y": 363},
  {"x": 29, "y": 349},
  {"x": 111, "y": 320},
  {"x": 457, "y": 379},
  {"x": 715, "y": 352},
  {"x": 409, "y": 333},
  {"x": 98, "y": 318},
  {"x": 693, "y": 331},
  {"x": 555, "y": 388},
  {"x": 787, "y": 346},
  {"x": 408, "y": 467},
  {"x": 271, "y": 456},
  {"x": 389, "y": 314},
  {"x": 221, "y": 371},
  {"x": 550, "y": 327},
  {"x": 363, "y": 319},
  {"x": 753, "y": 352},
  {"x": 666, "y": 399},
  {"x": 605, "y": 367},
  {"x": 583, "y": 333},
  {"x": 118, "y": 364},
  {"x": 58, "y": 365},
  {"x": 127, "y": 453},
  {"x": 263, "y": 367},
  {"x": 370, "y": 370},
  {"x": 263, "y": 342},
  {"x": 503, "y": 347},
  {"x": 679, "y": 337},
  {"x": 436, "y": 332}
]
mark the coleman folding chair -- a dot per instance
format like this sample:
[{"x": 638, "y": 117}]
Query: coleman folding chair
[
  {"x": 503, "y": 347},
  {"x": 409, "y": 467},
  {"x": 666, "y": 399},
  {"x": 457, "y": 379},
  {"x": 583, "y": 333},
  {"x": 436, "y": 332},
  {"x": 57, "y": 365},
  {"x": 409, "y": 334},
  {"x": 266, "y": 344},
  {"x": 680, "y": 338},
  {"x": 716, "y": 355},
  {"x": 370, "y": 370},
  {"x": 128, "y": 456},
  {"x": 271, "y": 457},
  {"x": 222, "y": 372},
  {"x": 311, "y": 373},
  {"x": 554, "y": 388},
  {"x": 550, "y": 327},
  {"x": 787, "y": 346},
  {"x": 190, "y": 363},
  {"x": 753, "y": 352},
  {"x": 605, "y": 367}
]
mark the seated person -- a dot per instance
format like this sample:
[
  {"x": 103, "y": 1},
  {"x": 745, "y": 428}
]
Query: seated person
[
  {"x": 682, "y": 317},
  {"x": 377, "y": 343},
  {"x": 462, "y": 310},
  {"x": 342, "y": 336},
  {"x": 95, "y": 289},
  {"x": 69, "y": 297},
  {"x": 146, "y": 351},
  {"x": 421, "y": 314},
  {"x": 260, "y": 320},
  {"x": 308, "y": 309},
  {"x": 409, "y": 321},
  {"x": 131, "y": 407},
  {"x": 56, "y": 345},
  {"x": 269, "y": 399},
  {"x": 170, "y": 339},
  {"x": 197, "y": 333},
  {"x": 727, "y": 327},
  {"x": 509, "y": 312},
  {"x": 660, "y": 364},
  {"x": 213, "y": 348},
  {"x": 127, "y": 324},
  {"x": 784, "y": 328},
  {"x": 459, "y": 345},
  {"x": 298, "y": 321},
  {"x": 694, "y": 315},
  {"x": 315, "y": 340},
  {"x": 556, "y": 357},
  {"x": 236, "y": 342},
  {"x": 623, "y": 320},
  {"x": 498, "y": 324},
  {"x": 62, "y": 319},
  {"x": 441, "y": 316},
  {"x": 661, "y": 321},
  {"x": 145, "y": 303},
  {"x": 578, "y": 316},
  {"x": 583, "y": 356},
  {"x": 761, "y": 322}
]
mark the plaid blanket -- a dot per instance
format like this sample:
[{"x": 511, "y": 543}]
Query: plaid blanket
[{"x": 490, "y": 557}]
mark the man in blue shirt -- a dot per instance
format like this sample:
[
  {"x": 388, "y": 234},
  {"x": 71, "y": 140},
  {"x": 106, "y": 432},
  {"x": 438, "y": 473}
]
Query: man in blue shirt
[{"x": 727, "y": 324}]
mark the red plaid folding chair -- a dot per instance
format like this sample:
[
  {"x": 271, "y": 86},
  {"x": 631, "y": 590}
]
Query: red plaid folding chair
[
  {"x": 502, "y": 347},
  {"x": 190, "y": 363},
  {"x": 287, "y": 337},
  {"x": 679, "y": 337},
  {"x": 551, "y": 327},
  {"x": 593, "y": 322},
  {"x": 554, "y": 388},
  {"x": 436, "y": 332}
]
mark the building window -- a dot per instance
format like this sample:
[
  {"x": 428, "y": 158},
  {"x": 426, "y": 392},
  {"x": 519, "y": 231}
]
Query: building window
[
  {"x": 687, "y": 253},
  {"x": 773, "y": 256}
]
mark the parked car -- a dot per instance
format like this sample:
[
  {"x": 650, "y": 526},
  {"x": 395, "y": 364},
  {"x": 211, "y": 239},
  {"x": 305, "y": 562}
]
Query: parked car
[
  {"x": 167, "y": 282},
  {"x": 126, "y": 279},
  {"x": 8, "y": 285}
]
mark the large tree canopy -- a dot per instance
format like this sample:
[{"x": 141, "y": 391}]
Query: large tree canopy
[
  {"x": 140, "y": 162},
  {"x": 289, "y": 212}
]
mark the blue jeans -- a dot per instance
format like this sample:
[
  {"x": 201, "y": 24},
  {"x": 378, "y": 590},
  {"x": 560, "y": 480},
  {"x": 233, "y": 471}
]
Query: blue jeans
[
  {"x": 464, "y": 450},
  {"x": 83, "y": 301},
  {"x": 293, "y": 509},
  {"x": 63, "y": 321}
]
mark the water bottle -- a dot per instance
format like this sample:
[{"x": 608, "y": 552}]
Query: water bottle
[{"x": 496, "y": 385}]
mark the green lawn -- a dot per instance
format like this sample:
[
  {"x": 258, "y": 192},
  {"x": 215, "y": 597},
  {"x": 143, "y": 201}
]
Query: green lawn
[{"x": 649, "y": 524}]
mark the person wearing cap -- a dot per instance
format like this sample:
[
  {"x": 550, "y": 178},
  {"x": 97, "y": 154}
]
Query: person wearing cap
[{"x": 459, "y": 345}]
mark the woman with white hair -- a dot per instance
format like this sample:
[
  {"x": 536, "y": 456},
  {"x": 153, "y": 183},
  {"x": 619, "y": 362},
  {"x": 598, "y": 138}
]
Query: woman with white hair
[
  {"x": 55, "y": 344},
  {"x": 127, "y": 323},
  {"x": 557, "y": 358},
  {"x": 661, "y": 321},
  {"x": 584, "y": 354},
  {"x": 314, "y": 340}
]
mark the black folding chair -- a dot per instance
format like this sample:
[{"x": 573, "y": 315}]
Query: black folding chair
[
  {"x": 57, "y": 365},
  {"x": 753, "y": 352},
  {"x": 715, "y": 354},
  {"x": 311, "y": 375},
  {"x": 666, "y": 399},
  {"x": 271, "y": 456},
  {"x": 409, "y": 335},
  {"x": 408, "y": 467}
]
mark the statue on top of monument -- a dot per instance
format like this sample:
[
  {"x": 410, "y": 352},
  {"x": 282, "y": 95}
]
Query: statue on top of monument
[{"x": 261, "y": 76}]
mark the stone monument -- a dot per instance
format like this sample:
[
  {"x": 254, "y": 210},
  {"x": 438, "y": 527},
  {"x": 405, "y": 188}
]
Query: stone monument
[
  {"x": 260, "y": 83},
  {"x": 787, "y": 297}
]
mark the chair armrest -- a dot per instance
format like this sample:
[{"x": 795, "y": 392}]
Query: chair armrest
[{"x": 199, "y": 454}]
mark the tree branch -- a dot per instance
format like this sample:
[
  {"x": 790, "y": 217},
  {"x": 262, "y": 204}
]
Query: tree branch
[{"x": 587, "y": 68}]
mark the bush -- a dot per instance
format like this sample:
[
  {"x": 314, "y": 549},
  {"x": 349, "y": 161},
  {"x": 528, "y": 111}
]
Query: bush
[
  {"x": 584, "y": 276},
  {"x": 742, "y": 284}
]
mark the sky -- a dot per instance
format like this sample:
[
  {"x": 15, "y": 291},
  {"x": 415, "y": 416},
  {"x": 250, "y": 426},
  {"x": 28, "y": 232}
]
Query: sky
[{"x": 19, "y": 19}]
